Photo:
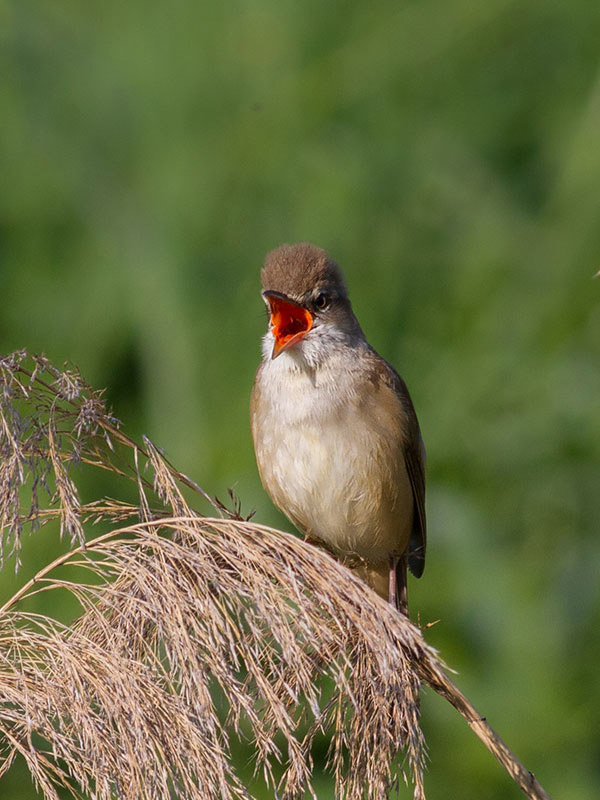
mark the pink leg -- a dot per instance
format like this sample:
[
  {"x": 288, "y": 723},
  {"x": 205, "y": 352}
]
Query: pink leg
[
  {"x": 397, "y": 589},
  {"x": 392, "y": 586}
]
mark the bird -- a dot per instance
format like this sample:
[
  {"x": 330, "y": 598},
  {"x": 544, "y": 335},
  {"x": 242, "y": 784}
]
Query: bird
[{"x": 336, "y": 436}]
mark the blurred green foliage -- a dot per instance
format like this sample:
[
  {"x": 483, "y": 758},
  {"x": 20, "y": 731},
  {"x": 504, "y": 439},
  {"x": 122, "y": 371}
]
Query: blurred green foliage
[{"x": 448, "y": 155}]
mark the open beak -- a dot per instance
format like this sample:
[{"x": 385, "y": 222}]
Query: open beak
[{"x": 290, "y": 322}]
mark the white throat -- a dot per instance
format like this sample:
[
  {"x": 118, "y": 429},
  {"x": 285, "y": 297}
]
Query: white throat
[{"x": 324, "y": 343}]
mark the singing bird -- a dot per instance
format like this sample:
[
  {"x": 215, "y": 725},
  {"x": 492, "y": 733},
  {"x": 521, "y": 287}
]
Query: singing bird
[{"x": 336, "y": 435}]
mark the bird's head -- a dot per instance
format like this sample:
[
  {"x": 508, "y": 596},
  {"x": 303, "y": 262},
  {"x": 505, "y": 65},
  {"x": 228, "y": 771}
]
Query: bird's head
[{"x": 307, "y": 300}]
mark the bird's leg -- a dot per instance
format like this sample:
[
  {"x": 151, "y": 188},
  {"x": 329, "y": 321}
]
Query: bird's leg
[
  {"x": 397, "y": 588},
  {"x": 392, "y": 581}
]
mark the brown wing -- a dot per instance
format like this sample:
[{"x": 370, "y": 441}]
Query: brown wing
[{"x": 414, "y": 458}]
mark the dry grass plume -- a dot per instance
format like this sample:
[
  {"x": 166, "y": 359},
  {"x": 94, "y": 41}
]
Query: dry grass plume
[{"x": 181, "y": 608}]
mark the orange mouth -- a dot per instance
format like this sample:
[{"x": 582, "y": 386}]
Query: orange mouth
[{"x": 290, "y": 322}]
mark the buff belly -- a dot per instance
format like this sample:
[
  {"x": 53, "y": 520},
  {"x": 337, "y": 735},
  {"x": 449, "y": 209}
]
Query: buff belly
[{"x": 334, "y": 474}]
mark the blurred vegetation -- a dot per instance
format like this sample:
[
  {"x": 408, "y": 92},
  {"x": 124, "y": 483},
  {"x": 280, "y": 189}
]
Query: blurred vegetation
[{"x": 447, "y": 155}]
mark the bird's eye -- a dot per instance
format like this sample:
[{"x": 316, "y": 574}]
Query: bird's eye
[{"x": 321, "y": 301}]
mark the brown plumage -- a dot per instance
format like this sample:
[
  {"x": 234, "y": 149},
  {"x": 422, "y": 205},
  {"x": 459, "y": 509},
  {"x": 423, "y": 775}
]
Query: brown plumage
[
  {"x": 336, "y": 436},
  {"x": 295, "y": 269}
]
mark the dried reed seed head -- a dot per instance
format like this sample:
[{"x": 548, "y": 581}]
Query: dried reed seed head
[
  {"x": 230, "y": 603},
  {"x": 124, "y": 697}
]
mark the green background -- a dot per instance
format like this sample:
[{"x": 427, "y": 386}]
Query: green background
[{"x": 448, "y": 155}]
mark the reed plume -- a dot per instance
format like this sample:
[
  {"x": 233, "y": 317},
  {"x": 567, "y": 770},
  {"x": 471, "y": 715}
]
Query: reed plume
[{"x": 184, "y": 614}]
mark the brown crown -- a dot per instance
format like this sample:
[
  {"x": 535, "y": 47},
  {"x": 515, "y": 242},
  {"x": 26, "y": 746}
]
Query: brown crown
[{"x": 298, "y": 269}]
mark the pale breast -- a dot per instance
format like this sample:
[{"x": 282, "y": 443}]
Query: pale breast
[{"x": 331, "y": 459}]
